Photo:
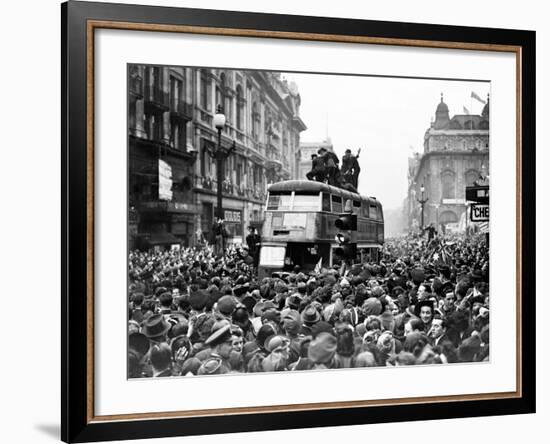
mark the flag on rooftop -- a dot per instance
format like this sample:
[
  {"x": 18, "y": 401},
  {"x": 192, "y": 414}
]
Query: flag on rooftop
[{"x": 475, "y": 96}]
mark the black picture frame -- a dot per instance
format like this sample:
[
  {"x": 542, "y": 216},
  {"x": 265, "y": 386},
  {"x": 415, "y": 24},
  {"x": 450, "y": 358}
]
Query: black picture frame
[{"x": 77, "y": 425}]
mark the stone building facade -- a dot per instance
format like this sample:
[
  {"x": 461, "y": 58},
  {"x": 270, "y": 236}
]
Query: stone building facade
[
  {"x": 456, "y": 153},
  {"x": 172, "y": 178}
]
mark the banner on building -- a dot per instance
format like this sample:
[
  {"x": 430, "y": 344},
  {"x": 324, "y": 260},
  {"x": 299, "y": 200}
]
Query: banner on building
[{"x": 165, "y": 181}]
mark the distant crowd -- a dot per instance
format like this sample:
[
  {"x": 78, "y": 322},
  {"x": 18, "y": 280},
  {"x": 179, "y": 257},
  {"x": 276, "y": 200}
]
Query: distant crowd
[{"x": 195, "y": 312}]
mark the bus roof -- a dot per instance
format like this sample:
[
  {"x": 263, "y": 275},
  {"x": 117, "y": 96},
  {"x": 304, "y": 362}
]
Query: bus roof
[{"x": 316, "y": 187}]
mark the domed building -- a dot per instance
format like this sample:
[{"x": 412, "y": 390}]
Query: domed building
[{"x": 456, "y": 153}]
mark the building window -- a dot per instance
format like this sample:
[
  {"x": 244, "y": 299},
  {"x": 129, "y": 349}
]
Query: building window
[
  {"x": 132, "y": 121},
  {"x": 153, "y": 126},
  {"x": 240, "y": 106},
  {"x": 177, "y": 135},
  {"x": 176, "y": 92},
  {"x": 448, "y": 185},
  {"x": 255, "y": 121},
  {"x": 204, "y": 91},
  {"x": 471, "y": 176}
]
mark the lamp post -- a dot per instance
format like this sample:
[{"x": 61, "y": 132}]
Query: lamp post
[
  {"x": 422, "y": 201},
  {"x": 220, "y": 155}
]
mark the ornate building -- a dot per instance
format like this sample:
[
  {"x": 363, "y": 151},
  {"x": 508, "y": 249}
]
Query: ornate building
[
  {"x": 456, "y": 153},
  {"x": 304, "y": 156},
  {"x": 172, "y": 185}
]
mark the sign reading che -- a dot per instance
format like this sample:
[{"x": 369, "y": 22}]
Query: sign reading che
[{"x": 479, "y": 213}]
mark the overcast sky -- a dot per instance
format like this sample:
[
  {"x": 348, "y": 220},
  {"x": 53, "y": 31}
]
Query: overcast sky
[{"x": 386, "y": 117}]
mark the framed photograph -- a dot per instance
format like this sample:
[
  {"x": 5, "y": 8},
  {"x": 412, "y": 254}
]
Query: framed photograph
[{"x": 275, "y": 221}]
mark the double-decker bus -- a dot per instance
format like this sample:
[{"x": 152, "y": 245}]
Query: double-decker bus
[{"x": 299, "y": 227}]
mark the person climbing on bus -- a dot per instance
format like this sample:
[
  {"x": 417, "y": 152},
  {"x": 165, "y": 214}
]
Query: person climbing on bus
[
  {"x": 331, "y": 164},
  {"x": 350, "y": 168},
  {"x": 318, "y": 171}
]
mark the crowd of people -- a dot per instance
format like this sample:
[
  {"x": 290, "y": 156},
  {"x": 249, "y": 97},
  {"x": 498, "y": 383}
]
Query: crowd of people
[{"x": 193, "y": 312}]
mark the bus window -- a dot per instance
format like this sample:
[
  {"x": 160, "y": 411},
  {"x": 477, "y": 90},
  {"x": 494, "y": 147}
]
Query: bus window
[
  {"x": 336, "y": 204},
  {"x": 365, "y": 209},
  {"x": 357, "y": 206},
  {"x": 326, "y": 202},
  {"x": 279, "y": 201},
  {"x": 306, "y": 202},
  {"x": 373, "y": 210}
]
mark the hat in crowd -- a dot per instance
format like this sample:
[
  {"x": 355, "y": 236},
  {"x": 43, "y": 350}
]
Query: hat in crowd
[
  {"x": 155, "y": 326},
  {"x": 260, "y": 307},
  {"x": 221, "y": 332},
  {"x": 372, "y": 306},
  {"x": 294, "y": 301},
  {"x": 181, "y": 341},
  {"x": 139, "y": 343},
  {"x": 271, "y": 314},
  {"x": 322, "y": 349},
  {"x": 190, "y": 366},
  {"x": 310, "y": 315},
  {"x": 212, "y": 366},
  {"x": 321, "y": 327},
  {"x": 365, "y": 359},
  {"x": 291, "y": 322},
  {"x": 198, "y": 299},
  {"x": 226, "y": 305},
  {"x": 275, "y": 342},
  {"x": 265, "y": 331}
]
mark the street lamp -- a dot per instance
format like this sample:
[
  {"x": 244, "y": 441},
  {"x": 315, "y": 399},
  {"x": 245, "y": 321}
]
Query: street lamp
[
  {"x": 422, "y": 201},
  {"x": 220, "y": 155}
]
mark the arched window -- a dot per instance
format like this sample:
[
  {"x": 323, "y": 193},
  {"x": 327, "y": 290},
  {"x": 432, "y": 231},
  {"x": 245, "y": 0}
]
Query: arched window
[
  {"x": 448, "y": 185},
  {"x": 240, "y": 106},
  {"x": 470, "y": 177},
  {"x": 219, "y": 93},
  {"x": 255, "y": 121},
  {"x": 204, "y": 96}
]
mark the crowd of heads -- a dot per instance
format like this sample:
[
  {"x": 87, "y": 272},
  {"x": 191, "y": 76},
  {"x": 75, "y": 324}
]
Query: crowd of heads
[{"x": 194, "y": 313}]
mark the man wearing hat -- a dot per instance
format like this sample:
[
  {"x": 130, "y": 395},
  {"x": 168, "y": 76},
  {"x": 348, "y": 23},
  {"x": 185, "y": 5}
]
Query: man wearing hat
[
  {"x": 156, "y": 328},
  {"x": 221, "y": 344},
  {"x": 310, "y": 316}
]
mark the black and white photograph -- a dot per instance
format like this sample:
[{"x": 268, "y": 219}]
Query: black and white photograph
[{"x": 287, "y": 221}]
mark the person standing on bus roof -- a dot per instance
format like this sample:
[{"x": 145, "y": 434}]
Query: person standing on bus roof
[
  {"x": 318, "y": 171},
  {"x": 331, "y": 165},
  {"x": 350, "y": 168}
]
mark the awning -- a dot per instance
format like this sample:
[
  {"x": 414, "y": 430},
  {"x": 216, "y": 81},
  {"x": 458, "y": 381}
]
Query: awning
[{"x": 162, "y": 239}]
